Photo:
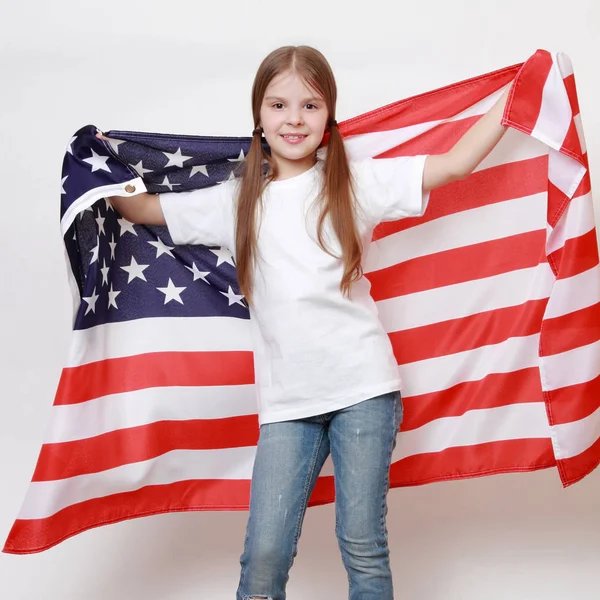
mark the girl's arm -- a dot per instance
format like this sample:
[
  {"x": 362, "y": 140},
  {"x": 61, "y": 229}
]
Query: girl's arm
[
  {"x": 143, "y": 209},
  {"x": 460, "y": 161}
]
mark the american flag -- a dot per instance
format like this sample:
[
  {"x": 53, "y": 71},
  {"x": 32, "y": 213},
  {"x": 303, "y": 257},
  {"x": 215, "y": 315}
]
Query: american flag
[{"x": 491, "y": 300}]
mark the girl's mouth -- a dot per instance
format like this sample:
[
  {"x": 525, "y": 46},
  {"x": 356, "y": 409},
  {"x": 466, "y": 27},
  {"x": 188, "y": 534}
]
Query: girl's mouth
[{"x": 293, "y": 138}]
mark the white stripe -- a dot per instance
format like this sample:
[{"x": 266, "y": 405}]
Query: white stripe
[
  {"x": 514, "y": 422},
  {"x": 565, "y": 172},
  {"x": 367, "y": 145},
  {"x": 572, "y": 367},
  {"x": 45, "y": 498},
  {"x": 464, "y": 299},
  {"x": 131, "y": 409},
  {"x": 514, "y": 147},
  {"x": 576, "y": 437},
  {"x": 159, "y": 334},
  {"x": 574, "y": 293},
  {"x": 92, "y": 196},
  {"x": 577, "y": 220},
  {"x": 457, "y": 230},
  {"x": 71, "y": 422},
  {"x": 554, "y": 118},
  {"x": 580, "y": 132},
  {"x": 443, "y": 372},
  {"x": 564, "y": 64}
]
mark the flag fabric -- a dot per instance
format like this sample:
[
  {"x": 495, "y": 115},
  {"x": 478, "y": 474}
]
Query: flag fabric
[{"x": 491, "y": 301}]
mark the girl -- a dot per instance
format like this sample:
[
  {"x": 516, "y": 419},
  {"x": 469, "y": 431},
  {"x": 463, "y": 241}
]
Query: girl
[{"x": 326, "y": 377}]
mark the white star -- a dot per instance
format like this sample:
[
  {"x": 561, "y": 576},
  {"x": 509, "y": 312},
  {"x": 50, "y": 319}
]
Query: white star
[
  {"x": 134, "y": 270},
  {"x": 126, "y": 227},
  {"x": 199, "y": 169},
  {"x": 161, "y": 248},
  {"x": 98, "y": 162},
  {"x": 112, "y": 297},
  {"x": 198, "y": 274},
  {"x": 168, "y": 184},
  {"x": 109, "y": 206},
  {"x": 100, "y": 220},
  {"x": 231, "y": 176},
  {"x": 176, "y": 159},
  {"x": 233, "y": 298},
  {"x": 62, "y": 184},
  {"x": 140, "y": 168},
  {"x": 115, "y": 144},
  {"x": 95, "y": 251},
  {"x": 91, "y": 300},
  {"x": 69, "y": 149},
  {"x": 223, "y": 256},
  {"x": 240, "y": 158},
  {"x": 104, "y": 270},
  {"x": 112, "y": 245},
  {"x": 172, "y": 292}
]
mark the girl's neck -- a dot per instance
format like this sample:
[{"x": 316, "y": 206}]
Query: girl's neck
[{"x": 292, "y": 168}]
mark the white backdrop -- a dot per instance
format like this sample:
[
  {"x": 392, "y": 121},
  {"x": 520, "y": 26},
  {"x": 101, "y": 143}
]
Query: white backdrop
[{"x": 187, "y": 67}]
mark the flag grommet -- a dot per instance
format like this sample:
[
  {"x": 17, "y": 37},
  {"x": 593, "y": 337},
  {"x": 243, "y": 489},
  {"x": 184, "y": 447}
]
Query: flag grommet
[{"x": 130, "y": 188}]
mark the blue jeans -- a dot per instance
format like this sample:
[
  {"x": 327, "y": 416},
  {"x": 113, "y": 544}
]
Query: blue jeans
[{"x": 289, "y": 457}]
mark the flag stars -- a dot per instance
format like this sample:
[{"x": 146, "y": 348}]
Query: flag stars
[
  {"x": 126, "y": 227},
  {"x": 104, "y": 270},
  {"x": 172, "y": 292},
  {"x": 240, "y": 158},
  {"x": 95, "y": 250},
  {"x": 70, "y": 145},
  {"x": 135, "y": 271},
  {"x": 162, "y": 248},
  {"x": 176, "y": 159},
  {"x": 139, "y": 167},
  {"x": 233, "y": 298},
  {"x": 197, "y": 273},
  {"x": 62, "y": 185},
  {"x": 100, "y": 220},
  {"x": 223, "y": 256},
  {"x": 112, "y": 245},
  {"x": 199, "y": 169},
  {"x": 168, "y": 184},
  {"x": 112, "y": 297},
  {"x": 97, "y": 162},
  {"x": 91, "y": 302}
]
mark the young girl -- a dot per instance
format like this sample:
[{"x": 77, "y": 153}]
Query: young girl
[{"x": 326, "y": 377}]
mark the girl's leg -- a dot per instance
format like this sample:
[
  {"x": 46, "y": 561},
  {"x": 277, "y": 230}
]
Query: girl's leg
[
  {"x": 288, "y": 460},
  {"x": 362, "y": 438}
]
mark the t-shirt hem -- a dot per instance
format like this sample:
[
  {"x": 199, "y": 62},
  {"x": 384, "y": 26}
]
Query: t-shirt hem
[{"x": 326, "y": 406}]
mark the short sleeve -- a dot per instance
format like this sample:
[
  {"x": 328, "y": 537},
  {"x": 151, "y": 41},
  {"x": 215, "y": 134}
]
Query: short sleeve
[
  {"x": 388, "y": 189},
  {"x": 204, "y": 216}
]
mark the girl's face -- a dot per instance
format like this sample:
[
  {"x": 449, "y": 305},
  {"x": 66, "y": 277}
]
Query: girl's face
[{"x": 293, "y": 117}]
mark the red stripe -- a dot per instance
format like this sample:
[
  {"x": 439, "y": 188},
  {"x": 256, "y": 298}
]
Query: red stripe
[
  {"x": 157, "y": 369},
  {"x": 36, "y": 535},
  {"x": 507, "y": 456},
  {"x": 573, "y": 402},
  {"x": 493, "y": 391},
  {"x": 435, "y": 105},
  {"x": 573, "y": 330},
  {"x": 572, "y": 93},
  {"x": 144, "y": 442},
  {"x": 437, "y": 140},
  {"x": 467, "y": 333},
  {"x": 571, "y": 144},
  {"x": 576, "y": 468},
  {"x": 525, "y": 102},
  {"x": 459, "y": 265},
  {"x": 578, "y": 255},
  {"x": 489, "y": 186}
]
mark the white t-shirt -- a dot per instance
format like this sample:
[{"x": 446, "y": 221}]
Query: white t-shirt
[{"x": 315, "y": 350}]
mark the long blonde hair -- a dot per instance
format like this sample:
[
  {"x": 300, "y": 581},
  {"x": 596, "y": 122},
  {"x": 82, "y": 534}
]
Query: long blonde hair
[{"x": 337, "y": 194}]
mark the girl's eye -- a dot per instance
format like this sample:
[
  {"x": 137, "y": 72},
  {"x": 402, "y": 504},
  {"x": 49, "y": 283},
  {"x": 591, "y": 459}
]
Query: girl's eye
[
  {"x": 311, "y": 106},
  {"x": 278, "y": 105}
]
